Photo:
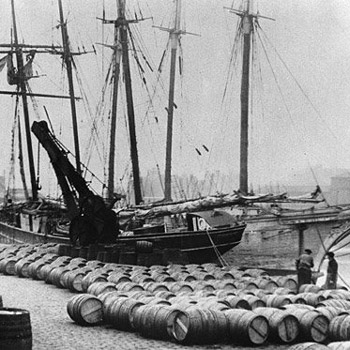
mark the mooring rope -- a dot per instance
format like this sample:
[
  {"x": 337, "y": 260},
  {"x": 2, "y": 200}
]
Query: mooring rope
[{"x": 221, "y": 259}]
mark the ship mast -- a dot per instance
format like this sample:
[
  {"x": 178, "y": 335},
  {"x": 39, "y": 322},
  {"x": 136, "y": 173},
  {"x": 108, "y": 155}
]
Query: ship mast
[
  {"x": 247, "y": 27},
  {"x": 23, "y": 91},
  {"x": 117, "y": 56},
  {"x": 174, "y": 39},
  {"x": 122, "y": 27},
  {"x": 67, "y": 57}
]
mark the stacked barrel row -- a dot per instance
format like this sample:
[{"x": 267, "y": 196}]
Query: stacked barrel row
[{"x": 187, "y": 303}]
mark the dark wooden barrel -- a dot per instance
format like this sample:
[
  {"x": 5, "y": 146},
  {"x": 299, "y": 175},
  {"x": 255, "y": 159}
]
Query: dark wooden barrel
[
  {"x": 15, "y": 329},
  {"x": 85, "y": 309},
  {"x": 247, "y": 327}
]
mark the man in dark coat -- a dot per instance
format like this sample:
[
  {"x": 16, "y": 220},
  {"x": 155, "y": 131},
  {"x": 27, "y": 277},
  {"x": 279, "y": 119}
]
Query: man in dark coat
[
  {"x": 332, "y": 271},
  {"x": 304, "y": 264}
]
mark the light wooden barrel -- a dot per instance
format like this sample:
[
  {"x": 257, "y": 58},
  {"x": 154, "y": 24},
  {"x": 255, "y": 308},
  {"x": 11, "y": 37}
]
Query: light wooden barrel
[
  {"x": 98, "y": 288},
  {"x": 85, "y": 309},
  {"x": 254, "y": 301},
  {"x": 120, "y": 312},
  {"x": 284, "y": 326},
  {"x": 308, "y": 346},
  {"x": 339, "y": 328},
  {"x": 72, "y": 280},
  {"x": 91, "y": 277},
  {"x": 339, "y": 345},
  {"x": 276, "y": 301},
  {"x": 236, "y": 302},
  {"x": 198, "y": 325},
  {"x": 312, "y": 299},
  {"x": 156, "y": 321},
  {"x": 313, "y": 325},
  {"x": 330, "y": 312},
  {"x": 309, "y": 288},
  {"x": 343, "y": 304},
  {"x": 247, "y": 327},
  {"x": 287, "y": 282}
]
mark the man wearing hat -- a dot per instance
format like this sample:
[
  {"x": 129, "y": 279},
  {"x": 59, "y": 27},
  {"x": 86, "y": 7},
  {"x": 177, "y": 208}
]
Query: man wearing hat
[
  {"x": 304, "y": 264},
  {"x": 332, "y": 271}
]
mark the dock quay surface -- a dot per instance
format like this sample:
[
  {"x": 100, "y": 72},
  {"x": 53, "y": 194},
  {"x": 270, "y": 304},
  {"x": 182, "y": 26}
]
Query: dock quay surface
[
  {"x": 45, "y": 293},
  {"x": 52, "y": 328}
]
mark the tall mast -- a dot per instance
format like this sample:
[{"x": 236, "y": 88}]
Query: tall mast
[
  {"x": 247, "y": 27},
  {"x": 116, "y": 72},
  {"x": 174, "y": 39},
  {"x": 23, "y": 91},
  {"x": 123, "y": 32},
  {"x": 67, "y": 57}
]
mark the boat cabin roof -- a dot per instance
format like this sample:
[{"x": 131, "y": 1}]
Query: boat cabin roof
[{"x": 214, "y": 218}]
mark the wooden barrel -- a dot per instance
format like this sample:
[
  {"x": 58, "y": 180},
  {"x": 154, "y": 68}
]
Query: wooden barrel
[
  {"x": 236, "y": 302},
  {"x": 200, "y": 326},
  {"x": 120, "y": 313},
  {"x": 339, "y": 328},
  {"x": 284, "y": 326},
  {"x": 247, "y": 327},
  {"x": 288, "y": 282},
  {"x": 98, "y": 288},
  {"x": 118, "y": 277},
  {"x": 308, "y": 346},
  {"x": 21, "y": 267},
  {"x": 267, "y": 284},
  {"x": 330, "y": 312},
  {"x": 343, "y": 304},
  {"x": 129, "y": 286},
  {"x": 156, "y": 321},
  {"x": 179, "y": 287},
  {"x": 313, "y": 325},
  {"x": 312, "y": 299},
  {"x": 155, "y": 287},
  {"x": 34, "y": 268},
  {"x": 15, "y": 329},
  {"x": 254, "y": 301},
  {"x": 309, "y": 288},
  {"x": 91, "y": 277},
  {"x": 339, "y": 345},
  {"x": 85, "y": 309},
  {"x": 72, "y": 280},
  {"x": 7, "y": 266},
  {"x": 276, "y": 301}
]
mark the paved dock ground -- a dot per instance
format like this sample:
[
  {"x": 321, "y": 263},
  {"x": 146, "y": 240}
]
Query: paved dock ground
[{"x": 52, "y": 328}]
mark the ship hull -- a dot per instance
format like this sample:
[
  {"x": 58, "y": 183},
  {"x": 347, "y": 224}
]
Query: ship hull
[{"x": 194, "y": 246}]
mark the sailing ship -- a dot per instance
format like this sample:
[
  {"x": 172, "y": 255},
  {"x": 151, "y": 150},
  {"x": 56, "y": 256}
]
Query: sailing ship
[{"x": 196, "y": 233}]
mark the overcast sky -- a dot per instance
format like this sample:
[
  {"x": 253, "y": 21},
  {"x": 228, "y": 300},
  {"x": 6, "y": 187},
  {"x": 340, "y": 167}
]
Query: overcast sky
[{"x": 302, "y": 114}]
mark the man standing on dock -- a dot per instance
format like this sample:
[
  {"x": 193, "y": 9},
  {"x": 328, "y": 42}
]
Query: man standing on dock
[
  {"x": 332, "y": 271},
  {"x": 304, "y": 264}
]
